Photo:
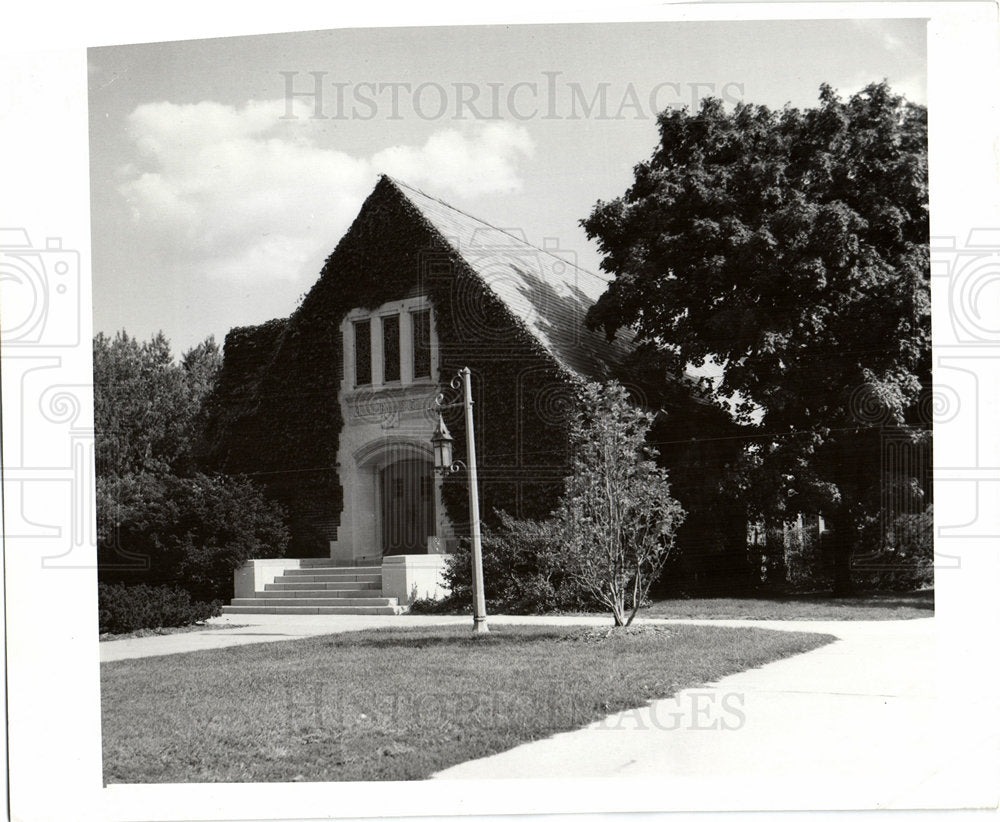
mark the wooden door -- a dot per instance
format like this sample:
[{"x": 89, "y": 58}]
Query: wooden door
[{"x": 407, "y": 507}]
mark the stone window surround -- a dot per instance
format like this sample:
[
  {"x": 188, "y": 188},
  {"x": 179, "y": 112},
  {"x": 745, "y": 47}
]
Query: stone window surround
[{"x": 404, "y": 309}]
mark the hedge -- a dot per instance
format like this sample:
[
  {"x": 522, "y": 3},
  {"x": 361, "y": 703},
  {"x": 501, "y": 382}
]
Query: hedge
[{"x": 124, "y": 608}]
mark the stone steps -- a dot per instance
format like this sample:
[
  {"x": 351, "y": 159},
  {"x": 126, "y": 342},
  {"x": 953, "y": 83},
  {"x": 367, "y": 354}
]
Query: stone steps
[
  {"x": 302, "y": 602},
  {"x": 332, "y": 610},
  {"x": 320, "y": 586},
  {"x": 332, "y": 563},
  {"x": 285, "y": 591},
  {"x": 311, "y": 578}
]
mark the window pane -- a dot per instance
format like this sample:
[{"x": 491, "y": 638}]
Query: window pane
[
  {"x": 362, "y": 352},
  {"x": 421, "y": 344},
  {"x": 390, "y": 347}
]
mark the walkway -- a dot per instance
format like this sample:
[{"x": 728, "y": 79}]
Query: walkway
[{"x": 854, "y": 724}]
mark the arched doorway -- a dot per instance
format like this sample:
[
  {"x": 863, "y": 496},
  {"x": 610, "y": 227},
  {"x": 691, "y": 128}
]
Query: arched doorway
[{"x": 407, "y": 496}]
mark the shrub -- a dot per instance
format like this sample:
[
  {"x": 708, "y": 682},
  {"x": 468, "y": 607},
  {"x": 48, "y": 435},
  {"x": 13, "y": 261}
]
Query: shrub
[
  {"x": 445, "y": 605},
  {"x": 225, "y": 521},
  {"x": 190, "y": 532},
  {"x": 523, "y": 570},
  {"x": 896, "y": 554},
  {"x": 124, "y": 608},
  {"x": 610, "y": 536},
  {"x": 617, "y": 516},
  {"x": 808, "y": 564},
  {"x": 901, "y": 558}
]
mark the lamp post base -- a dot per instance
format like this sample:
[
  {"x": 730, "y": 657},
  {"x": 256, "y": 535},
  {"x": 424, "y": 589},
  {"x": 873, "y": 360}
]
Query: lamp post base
[{"x": 479, "y": 625}]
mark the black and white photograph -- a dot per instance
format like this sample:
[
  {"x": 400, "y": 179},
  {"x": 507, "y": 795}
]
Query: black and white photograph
[{"x": 530, "y": 413}]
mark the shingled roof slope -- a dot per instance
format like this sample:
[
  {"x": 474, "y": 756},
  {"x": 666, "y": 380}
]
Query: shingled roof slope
[{"x": 542, "y": 288}]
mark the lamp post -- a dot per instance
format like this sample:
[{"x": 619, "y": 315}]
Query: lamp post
[{"x": 442, "y": 442}]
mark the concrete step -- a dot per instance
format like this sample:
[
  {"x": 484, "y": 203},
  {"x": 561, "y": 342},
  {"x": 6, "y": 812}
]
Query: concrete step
[
  {"x": 320, "y": 593},
  {"x": 340, "y": 573},
  {"x": 345, "y": 610},
  {"x": 321, "y": 577},
  {"x": 334, "y": 563},
  {"x": 296, "y": 602},
  {"x": 282, "y": 585}
]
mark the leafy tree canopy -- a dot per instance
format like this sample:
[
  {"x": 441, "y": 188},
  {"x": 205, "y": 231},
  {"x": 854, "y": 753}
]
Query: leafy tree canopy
[
  {"x": 790, "y": 248},
  {"x": 147, "y": 406},
  {"x": 159, "y": 518}
]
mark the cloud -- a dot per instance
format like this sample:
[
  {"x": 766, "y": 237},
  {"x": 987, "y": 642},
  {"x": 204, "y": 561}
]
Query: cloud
[
  {"x": 242, "y": 194},
  {"x": 484, "y": 164}
]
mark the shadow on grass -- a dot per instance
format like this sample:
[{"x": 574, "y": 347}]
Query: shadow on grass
[
  {"x": 921, "y": 600},
  {"x": 799, "y": 606},
  {"x": 432, "y": 638}
]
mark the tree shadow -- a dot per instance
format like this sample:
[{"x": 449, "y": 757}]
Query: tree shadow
[
  {"x": 921, "y": 600},
  {"x": 451, "y": 637}
]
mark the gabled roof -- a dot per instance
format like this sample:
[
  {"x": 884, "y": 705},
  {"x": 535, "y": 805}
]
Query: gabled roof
[{"x": 542, "y": 288}]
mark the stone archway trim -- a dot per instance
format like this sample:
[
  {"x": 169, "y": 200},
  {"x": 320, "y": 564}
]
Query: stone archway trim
[{"x": 372, "y": 453}]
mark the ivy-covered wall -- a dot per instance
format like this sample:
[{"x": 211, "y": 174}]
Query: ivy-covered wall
[{"x": 277, "y": 416}]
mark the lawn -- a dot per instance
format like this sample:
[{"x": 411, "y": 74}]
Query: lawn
[
  {"x": 798, "y": 606},
  {"x": 397, "y": 704}
]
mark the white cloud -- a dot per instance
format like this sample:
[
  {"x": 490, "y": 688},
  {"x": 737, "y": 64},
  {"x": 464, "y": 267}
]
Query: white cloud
[
  {"x": 242, "y": 194},
  {"x": 450, "y": 159}
]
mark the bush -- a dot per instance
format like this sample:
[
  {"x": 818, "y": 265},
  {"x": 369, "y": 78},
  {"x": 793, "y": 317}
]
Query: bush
[
  {"x": 124, "y": 608},
  {"x": 189, "y": 532},
  {"x": 895, "y": 554},
  {"x": 901, "y": 558},
  {"x": 523, "y": 573},
  {"x": 617, "y": 516},
  {"x": 445, "y": 605},
  {"x": 808, "y": 564}
]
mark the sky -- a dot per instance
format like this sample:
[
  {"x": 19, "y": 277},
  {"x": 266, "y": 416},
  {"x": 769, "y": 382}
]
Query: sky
[{"x": 223, "y": 172}]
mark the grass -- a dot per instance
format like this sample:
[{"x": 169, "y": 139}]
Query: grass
[
  {"x": 397, "y": 704},
  {"x": 870, "y": 606}
]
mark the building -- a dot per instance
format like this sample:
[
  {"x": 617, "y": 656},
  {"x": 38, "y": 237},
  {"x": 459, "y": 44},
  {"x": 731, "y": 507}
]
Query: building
[{"x": 332, "y": 409}]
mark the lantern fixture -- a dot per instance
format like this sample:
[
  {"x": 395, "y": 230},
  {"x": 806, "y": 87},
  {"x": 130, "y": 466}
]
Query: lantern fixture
[{"x": 442, "y": 442}]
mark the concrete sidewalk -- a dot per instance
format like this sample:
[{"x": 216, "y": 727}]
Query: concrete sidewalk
[{"x": 854, "y": 724}]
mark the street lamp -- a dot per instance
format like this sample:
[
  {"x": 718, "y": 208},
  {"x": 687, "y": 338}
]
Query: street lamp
[{"x": 442, "y": 442}]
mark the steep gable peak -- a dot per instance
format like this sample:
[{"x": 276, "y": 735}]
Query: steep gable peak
[{"x": 543, "y": 288}]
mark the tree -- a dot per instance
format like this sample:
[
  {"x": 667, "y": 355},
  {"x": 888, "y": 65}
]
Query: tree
[
  {"x": 790, "y": 249},
  {"x": 160, "y": 519},
  {"x": 192, "y": 532},
  {"x": 617, "y": 515},
  {"x": 146, "y": 406}
]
